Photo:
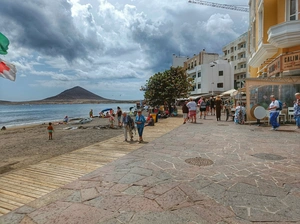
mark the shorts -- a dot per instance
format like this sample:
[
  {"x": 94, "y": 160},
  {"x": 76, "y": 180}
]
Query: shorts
[
  {"x": 203, "y": 109},
  {"x": 185, "y": 115},
  {"x": 192, "y": 113}
]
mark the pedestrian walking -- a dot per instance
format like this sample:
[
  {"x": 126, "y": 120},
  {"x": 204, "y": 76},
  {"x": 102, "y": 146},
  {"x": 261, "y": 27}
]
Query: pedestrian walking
[
  {"x": 128, "y": 125},
  {"x": 274, "y": 105},
  {"x": 297, "y": 110},
  {"x": 218, "y": 104},
  {"x": 192, "y": 110},
  {"x": 185, "y": 111},
  {"x": 202, "y": 107},
  {"x": 140, "y": 123},
  {"x": 119, "y": 115}
]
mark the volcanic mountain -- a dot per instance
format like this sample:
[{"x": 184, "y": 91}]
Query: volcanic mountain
[{"x": 75, "y": 93}]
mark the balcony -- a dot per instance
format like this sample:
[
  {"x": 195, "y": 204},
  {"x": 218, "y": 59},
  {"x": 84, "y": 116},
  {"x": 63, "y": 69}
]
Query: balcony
[
  {"x": 285, "y": 35},
  {"x": 264, "y": 52}
]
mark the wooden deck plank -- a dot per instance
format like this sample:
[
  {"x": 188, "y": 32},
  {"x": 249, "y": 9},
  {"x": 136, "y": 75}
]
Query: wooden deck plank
[
  {"x": 23, "y": 187},
  {"x": 23, "y": 182},
  {"x": 33, "y": 180}
]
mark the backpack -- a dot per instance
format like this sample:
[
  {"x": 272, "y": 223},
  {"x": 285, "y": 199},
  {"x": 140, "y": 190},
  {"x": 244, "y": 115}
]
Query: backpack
[
  {"x": 280, "y": 105},
  {"x": 203, "y": 104}
]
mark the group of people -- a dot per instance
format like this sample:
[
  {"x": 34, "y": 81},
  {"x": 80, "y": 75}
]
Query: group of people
[
  {"x": 275, "y": 108},
  {"x": 206, "y": 106},
  {"x": 129, "y": 125}
]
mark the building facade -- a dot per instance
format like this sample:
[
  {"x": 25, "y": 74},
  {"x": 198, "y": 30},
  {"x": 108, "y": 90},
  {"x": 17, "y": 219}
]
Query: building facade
[
  {"x": 210, "y": 74},
  {"x": 236, "y": 54},
  {"x": 178, "y": 61},
  {"x": 274, "y": 38}
]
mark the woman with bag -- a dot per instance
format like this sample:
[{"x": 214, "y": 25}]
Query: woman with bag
[{"x": 140, "y": 123}]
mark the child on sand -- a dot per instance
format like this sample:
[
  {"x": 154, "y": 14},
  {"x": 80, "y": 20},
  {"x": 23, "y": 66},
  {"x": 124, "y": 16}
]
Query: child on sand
[
  {"x": 50, "y": 130},
  {"x": 112, "y": 120}
]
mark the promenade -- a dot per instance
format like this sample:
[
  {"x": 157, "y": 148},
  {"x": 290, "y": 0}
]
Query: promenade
[{"x": 208, "y": 172}]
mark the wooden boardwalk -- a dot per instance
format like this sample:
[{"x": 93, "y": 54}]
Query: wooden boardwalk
[{"x": 20, "y": 187}]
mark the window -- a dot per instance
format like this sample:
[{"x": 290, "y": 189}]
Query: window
[
  {"x": 199, "y": 74},
  {"x": 199, "y": 86},
  {"x": 291, "y": 10},
  {"x": 220, "y": 85},
  {"x": 220, "y": 73},
  {"x": 234, "y": 67}
]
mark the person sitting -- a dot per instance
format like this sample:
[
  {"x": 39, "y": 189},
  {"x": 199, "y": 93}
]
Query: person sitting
[
  {"x": 240, "y": 112},
  {"x": 149, "y": 121},
  {"x": 66, "y": 119}
]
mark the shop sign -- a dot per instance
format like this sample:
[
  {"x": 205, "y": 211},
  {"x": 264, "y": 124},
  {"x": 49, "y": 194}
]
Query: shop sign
[
  {"x": 291, "y": 61},
  {"x": 274, "y": 67}
]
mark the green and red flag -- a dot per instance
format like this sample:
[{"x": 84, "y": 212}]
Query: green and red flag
[
  {"x": 4, "y": 42},
  {"x": 7, "y": 70}
]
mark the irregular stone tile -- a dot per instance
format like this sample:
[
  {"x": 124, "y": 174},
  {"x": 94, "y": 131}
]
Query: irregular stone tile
[
  {"x": 110, "y": 202},
  {"x": 254, "y": 201},
  {"x": 79, "y": 184},
  {"x": 244, "y": 188},
  {"x": 162, "y": 175},
  {"x": 24, "y": 210},
  {"x": 208, "y": 215},
  {"x": 198, "y": 184},
  {"x": 163, "y": 164},
  {"x": 134, "y": 190},
  {"x": 191, "y": 192},
  {"x": 11, "y": 218},
  {"x": 114, "y": 177},
  {"x": 80, "y": 213},
  {"x": 138, "y": 204},
  {"x": 191, "y": 214},
  {"x": 148, "y": 181},
  {"x": 162, "y": 188},
  {"x": 49, "y": 213},
  {"x": 49, "y": 198},
  {"x": 215, "y": 191},
  {"x": 141, "y": 171},
  {"x": 171, "y": 198},
  {"x": 271, "y": 189},
  {"x": 130, "y": 178},
  {"x": 292, "y": 201},
  {"x": 157, "y": 218},
  {"x": 125, "y": 217},
  {"x": 118, "y": 188},
  {"x": 243, "y": 173},
  {"x": 75, "y": 197},
  {"x": 222, "y": 211},
  {"x": 27, "y": 220},
  {"x": 289, "y": 214},
  {"x": 87, "y": 194}
]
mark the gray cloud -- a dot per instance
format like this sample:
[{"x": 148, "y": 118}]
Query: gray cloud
[{"x": 46, "y": 27}]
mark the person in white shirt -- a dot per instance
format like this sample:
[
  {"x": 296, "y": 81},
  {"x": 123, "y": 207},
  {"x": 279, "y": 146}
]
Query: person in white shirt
[
  {"x": 192, "y": 110},
  {"x": 274, "y": 112}
]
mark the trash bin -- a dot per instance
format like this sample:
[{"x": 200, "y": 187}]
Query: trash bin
[{"x": 154, "y": 116}]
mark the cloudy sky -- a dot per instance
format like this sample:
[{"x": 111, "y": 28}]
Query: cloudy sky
[{"x": 109, "y": 47}]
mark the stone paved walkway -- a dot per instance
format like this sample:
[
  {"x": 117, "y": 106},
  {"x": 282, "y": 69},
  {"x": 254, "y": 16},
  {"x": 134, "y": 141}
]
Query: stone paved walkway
[{"x": 254, "y": 178}]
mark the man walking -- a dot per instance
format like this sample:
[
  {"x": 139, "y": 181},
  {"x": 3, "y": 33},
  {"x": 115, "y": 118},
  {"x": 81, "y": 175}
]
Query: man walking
[
  {"x": 274, "y": 105},
  {"x": 128, "y": 125}
]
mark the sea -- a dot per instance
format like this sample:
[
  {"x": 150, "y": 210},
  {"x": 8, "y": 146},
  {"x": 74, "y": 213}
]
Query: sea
[{"x": 27, "y": 114}]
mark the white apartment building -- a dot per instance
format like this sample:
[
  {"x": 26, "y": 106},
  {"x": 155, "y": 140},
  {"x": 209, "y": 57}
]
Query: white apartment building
[
  {"x": 211, "y": 75},
  {"x": 236, "y": 54},
  {"x": 178, "y": 61}
]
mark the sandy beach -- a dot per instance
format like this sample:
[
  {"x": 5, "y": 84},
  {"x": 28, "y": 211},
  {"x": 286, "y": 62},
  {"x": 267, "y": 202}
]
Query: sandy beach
[{"x": 22, "y": 146}]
